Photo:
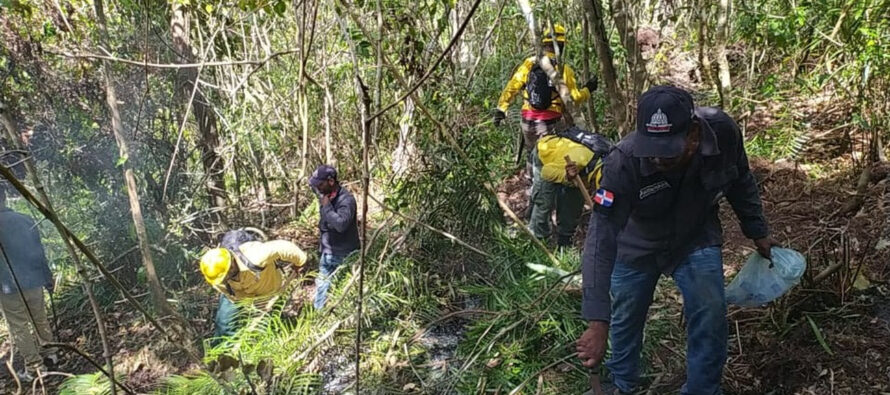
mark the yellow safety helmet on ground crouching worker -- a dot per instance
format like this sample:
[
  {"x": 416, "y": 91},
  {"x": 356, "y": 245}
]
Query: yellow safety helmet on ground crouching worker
[
  {"x": 215, "y": 265},
  {"x": 560, "y": 33}
]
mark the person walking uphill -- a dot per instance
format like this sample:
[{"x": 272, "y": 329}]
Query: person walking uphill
[
  {"x": 542, "y": 108},
  {"x": 554, "y": 180},
  {"x": 244, "y": 268},
  {"x": 24, "y": 273},
  {"x": 338, "y": 226},
  {"x": 656, "y": 212}
]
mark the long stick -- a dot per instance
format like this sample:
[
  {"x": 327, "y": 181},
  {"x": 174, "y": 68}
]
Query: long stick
[
  {"x": 361, "y": 91},
  {"x": 580, "y": 184}
]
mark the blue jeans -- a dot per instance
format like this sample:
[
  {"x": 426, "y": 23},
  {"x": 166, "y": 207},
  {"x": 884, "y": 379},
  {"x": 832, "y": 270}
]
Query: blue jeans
[
  {"x": 326, "y": 266},
  {"x": 227, "y": 321},
  {"x": 700, "y": 279}
]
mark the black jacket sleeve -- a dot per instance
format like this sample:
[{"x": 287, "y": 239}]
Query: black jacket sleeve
[
  {"x": 744, "y": 196},
  {"x": 600, "y": 247}
]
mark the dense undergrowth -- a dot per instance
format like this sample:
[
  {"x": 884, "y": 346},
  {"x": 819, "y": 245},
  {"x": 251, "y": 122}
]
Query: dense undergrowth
[{"x": 439, "y": 317}]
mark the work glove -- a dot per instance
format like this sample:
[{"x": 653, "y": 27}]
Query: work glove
[
  {"x": 497, "y": 116},
  {"x": 592, "y": 84}
]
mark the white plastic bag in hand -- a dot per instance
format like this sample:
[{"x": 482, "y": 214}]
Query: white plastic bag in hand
[{"x": 761, "y": 281}]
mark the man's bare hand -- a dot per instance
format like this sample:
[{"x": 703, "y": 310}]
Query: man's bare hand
[
  {"x": 571, "y": 170},
  {"x": 591, "y": 346},
  {"x": 764, "y": 246}
]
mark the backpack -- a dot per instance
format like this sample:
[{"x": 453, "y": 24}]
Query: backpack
[
  {"x": 233, "y": 239},
  {"x": 599, "y": 144},
  {"x": 539, "y": 88}
]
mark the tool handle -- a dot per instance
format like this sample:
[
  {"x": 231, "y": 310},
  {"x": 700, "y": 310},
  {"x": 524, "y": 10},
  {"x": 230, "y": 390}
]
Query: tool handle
[
  {"x": 588, "y": 202},
  {"x": 595, "y": 386}
]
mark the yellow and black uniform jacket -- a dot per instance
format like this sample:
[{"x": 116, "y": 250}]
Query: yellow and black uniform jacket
[
  {"x": 517, "y": 84},
  {"x": 552, "y": 150},
  {"x": 267, "y": 282}
]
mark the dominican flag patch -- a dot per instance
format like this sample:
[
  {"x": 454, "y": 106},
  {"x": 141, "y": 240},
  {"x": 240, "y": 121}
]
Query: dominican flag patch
[{"x": 604, "y": 198}]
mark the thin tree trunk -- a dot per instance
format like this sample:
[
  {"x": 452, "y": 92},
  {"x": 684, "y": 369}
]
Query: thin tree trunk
[
  {"x": 154, "y": 284},
  {"x": 405, "y": 150},
  {"x": 328, "y": 110},
  {"x": 621, "y": 14},
  {"x": 15, "y": 138},
  {"x": 607, "y": 68},
  {"x": 725, "y": 84},
  {"x": 588, "y": 73},
  {"x": 361, "y": 91},
  {"x": 378, "y": 83},
  {"x": 704, "y": 61},
  {"x": 187, "y": 79},
  {"x": 302, "y": 101}
]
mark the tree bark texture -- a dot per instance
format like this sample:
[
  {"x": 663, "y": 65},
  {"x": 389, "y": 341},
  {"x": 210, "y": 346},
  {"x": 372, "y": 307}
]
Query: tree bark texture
[
  {"x": 621, "y": 15},
  {"x": 607, "y": 68},
  {"x": 187, "y": 79},
  {"x": 725, "y": 84}
]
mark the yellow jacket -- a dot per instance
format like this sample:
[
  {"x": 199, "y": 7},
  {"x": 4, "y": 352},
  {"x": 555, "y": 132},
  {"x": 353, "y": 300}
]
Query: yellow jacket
[
  {"x": 552, "y": 151},
  {"x": 250, "y": 284},
  {"x": 517, "y": 83}
]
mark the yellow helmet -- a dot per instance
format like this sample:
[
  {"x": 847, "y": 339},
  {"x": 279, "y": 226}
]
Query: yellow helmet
[
  {"x": 215, "y": 265},
  {"x": 560, "y": 33}
]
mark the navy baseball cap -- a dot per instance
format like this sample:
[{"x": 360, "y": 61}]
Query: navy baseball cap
[
  {"x": 664, "y": 115},
  {"x": 321, "y": 174}
]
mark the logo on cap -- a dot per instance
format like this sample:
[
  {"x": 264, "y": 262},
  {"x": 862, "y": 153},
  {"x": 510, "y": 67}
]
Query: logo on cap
[{"x": 659, "y": 123}]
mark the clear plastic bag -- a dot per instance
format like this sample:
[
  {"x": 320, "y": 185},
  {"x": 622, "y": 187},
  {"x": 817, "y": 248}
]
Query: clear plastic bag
[{"x": 760, "y": 282}]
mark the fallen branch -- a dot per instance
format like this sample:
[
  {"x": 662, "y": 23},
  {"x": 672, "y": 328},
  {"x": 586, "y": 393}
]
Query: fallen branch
[{"x": 258, "y": 62}]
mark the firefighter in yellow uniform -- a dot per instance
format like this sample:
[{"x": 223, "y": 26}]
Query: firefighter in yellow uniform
[
  {"x": 554, "y": 179},
  {"x": 246, "y": 270},
  {"x": 542, "y": 114}
]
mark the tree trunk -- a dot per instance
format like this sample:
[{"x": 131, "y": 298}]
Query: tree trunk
[
  {"x": 621, "y": 14},
  {"x": 187, "y": 80},
  {"x": 127, "y": 159},
  {"x": 704, "y": 61},
  {"x": 405, "y": 151},
  {"x": 725, "y": 84},
  {"x": 588, "y": 74},
  {"x": 607, "y": 69}
]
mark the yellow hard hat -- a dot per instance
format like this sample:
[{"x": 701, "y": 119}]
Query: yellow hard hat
[
  {"x": 560, "y": 33},
  {"x": 215, "y": 265}
]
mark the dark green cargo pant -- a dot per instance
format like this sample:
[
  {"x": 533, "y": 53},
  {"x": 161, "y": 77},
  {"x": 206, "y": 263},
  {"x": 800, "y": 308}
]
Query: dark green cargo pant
[{"x": 546, "y": 195}]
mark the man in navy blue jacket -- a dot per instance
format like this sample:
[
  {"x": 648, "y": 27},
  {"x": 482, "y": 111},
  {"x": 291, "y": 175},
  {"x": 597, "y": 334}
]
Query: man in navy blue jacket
[
  {"x": 655, "y": 214},
  {"x": 338, "y": 226}
]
